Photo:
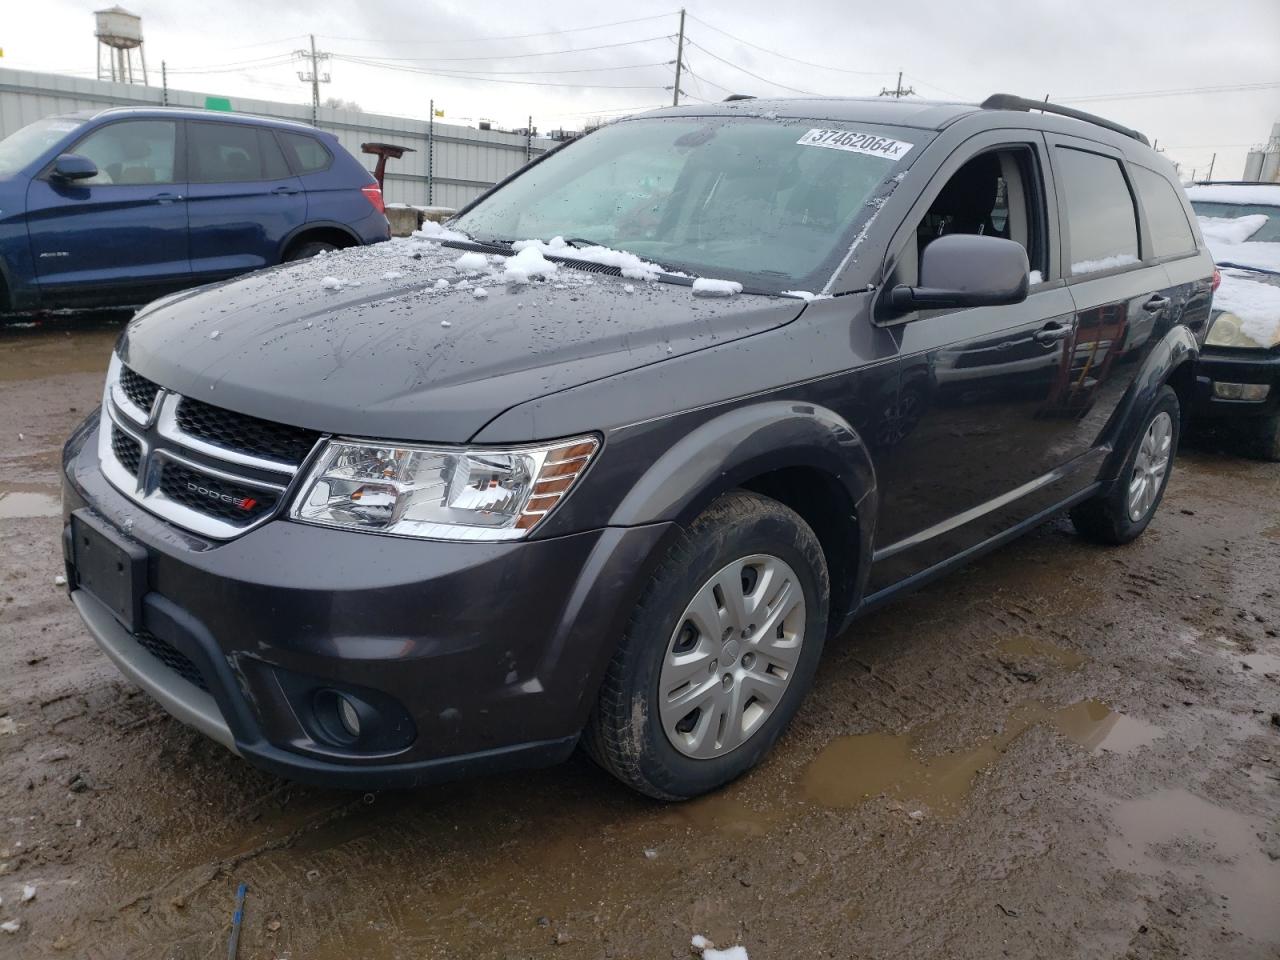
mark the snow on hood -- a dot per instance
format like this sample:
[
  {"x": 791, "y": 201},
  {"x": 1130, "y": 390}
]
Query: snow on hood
[
  {"x": 411, "y": 340},
  {"x": 1256, "y": 303}
]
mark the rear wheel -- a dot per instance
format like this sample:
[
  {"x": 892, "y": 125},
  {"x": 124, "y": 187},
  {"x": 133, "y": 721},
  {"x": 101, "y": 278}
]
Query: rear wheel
[
  {"x": 718, "y": 654},
  {"x": 1123, "y": 510},
  {"x": 307, "y": 250}
]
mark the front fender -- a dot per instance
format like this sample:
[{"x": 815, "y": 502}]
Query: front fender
[
  {"x": 743, "y": 443},
  {"x": 1174, "y": 353}
]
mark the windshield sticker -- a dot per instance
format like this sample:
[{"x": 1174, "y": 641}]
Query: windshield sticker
[{"x": 856, "y": 143}]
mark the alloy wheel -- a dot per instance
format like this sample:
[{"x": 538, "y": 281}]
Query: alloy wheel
[{"x": 1150, "y": 466}]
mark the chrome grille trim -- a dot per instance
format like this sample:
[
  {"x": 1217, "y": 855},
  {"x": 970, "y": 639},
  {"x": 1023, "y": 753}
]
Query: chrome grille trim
[{"x": 161, "y": 439}]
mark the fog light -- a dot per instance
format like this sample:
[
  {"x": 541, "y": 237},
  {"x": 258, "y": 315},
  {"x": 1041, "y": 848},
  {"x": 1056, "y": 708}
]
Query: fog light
[
  {"x": 1252, "y": 392},
  {"x": 347, "y": 714}
]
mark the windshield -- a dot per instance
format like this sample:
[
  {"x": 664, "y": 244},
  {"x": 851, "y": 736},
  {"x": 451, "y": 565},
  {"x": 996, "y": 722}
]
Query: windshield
[
  {"x": 1268, "y": 232},
  {"x": 771, "y": 204},
  {"x": 23, "y": 146}
]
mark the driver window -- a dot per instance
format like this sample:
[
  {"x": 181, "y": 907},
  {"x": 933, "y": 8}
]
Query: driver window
[
  {"x": 130, "y": 152},
  {"x": 988, "y": 196}
]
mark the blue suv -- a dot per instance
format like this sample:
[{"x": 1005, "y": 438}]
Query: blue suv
[{"x": 116, "y": 207}]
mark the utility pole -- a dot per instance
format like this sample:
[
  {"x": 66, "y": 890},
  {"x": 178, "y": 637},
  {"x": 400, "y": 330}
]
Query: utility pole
[
  {"x": 1211, "y": 163},
  {"x": 528, "y": 141},
  {"x": 431, "y": 155},
  {"x": 164, "y": 84},
  {"x": 675, "y": 96},
  {"x": 897, "y": 92},
  {"x": 315, "y": 77}
]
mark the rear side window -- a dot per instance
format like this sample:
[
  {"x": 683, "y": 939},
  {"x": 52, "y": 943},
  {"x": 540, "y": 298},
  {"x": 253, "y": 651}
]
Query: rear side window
[
  {"x": 1101, "y": 224},
  {"x": 229, "y": 153},
  {"x": 1166, "y": 220},
  {"x": 307, "y": 154},
  {"x": 131, "y": 152}
]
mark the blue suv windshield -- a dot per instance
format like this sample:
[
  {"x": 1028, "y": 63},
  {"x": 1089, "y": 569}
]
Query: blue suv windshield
[
  {"x": 771, "y": 203},
  {"x": 23, "y": 146}
]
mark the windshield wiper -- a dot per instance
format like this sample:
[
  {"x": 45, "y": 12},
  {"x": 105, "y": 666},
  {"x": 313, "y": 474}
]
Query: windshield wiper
[{"x": 579, "y": 242}]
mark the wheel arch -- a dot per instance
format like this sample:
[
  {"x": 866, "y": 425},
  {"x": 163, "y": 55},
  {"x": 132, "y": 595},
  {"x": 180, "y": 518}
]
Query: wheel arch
[
  {"x": 1171, "y": 362},
  {"x": 804, "y": 456},
  {"x": 324, "y": 231}
]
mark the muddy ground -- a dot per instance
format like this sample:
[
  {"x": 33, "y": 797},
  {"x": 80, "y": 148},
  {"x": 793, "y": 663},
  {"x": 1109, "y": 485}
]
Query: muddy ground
[{"x": 1062, "y": 751}]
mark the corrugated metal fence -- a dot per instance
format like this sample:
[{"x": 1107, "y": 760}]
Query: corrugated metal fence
[{"x": 451, "y": 164}]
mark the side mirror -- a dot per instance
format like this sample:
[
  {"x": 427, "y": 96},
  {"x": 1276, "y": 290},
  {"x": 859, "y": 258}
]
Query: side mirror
[
  {"x": 71, "y": 166},
  {"x": 965, "y": 270}
]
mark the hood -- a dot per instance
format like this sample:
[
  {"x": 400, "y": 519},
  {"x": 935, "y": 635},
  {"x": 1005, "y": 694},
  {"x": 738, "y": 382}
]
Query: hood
[{"x": 400, "y": 341}]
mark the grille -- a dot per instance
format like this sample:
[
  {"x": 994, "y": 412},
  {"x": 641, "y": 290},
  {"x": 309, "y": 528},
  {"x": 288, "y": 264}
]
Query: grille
[
  {"x": 229, "y": 502},
  {"x": 245, "y": 434},
  {"x": 171, "y": 657},
  {"x": 141, "y": 391},
  {"x": 127, "y": 450}
]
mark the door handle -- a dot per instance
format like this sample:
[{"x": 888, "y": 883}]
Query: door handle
[
  {"x": 166, "y": 197},
  {"x": 285, "y": 191},
  {"x": 1052, "y": 333},
  {"x": 1156, "y": 304}
]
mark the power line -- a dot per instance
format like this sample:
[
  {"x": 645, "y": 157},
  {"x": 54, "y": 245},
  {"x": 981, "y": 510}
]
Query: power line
[
  {"x": 516, "y": 56},
  {"x": 483, "y": 79},
  {"x": 1185, "y": 91},
  {"x": 783, "y": 56},
  {"x": 371, "y": 62},
  {"x": 514, "y": 36},
  {"x": 756, "y": 76}
]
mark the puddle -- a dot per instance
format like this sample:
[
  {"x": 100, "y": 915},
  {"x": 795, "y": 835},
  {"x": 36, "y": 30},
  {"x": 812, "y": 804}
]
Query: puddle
[
  {"x": 1041, "y": 650},
  {"x": 723, "y": 813},
  {"x": 34, "y": 502},
  {"x": 1095, "y": 726},
  {"x": 1262, "y": 662},
  {"x": 1176, "y": 832},
  {"x": 36, "y": 354},
  {"x": 851, "y": 769}
]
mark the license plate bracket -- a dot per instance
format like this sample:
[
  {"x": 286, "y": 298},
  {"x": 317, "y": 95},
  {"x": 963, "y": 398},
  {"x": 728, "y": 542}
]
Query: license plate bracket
[{"x": 111, "y": 568}]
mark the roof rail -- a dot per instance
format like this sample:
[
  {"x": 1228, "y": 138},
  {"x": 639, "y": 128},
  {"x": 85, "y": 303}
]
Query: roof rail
[
  {"x": 738, "y": 96},
  {"x": 1009, "y": 101},
  {"x": 1237, "y": 183}
]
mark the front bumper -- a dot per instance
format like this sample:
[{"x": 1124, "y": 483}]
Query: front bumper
[
  {"x": 1236, "y": 366},
  {"x": 493, "y": 651}
]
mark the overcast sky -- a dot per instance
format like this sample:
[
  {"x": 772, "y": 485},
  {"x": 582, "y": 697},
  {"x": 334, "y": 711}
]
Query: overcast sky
[{"x": 1068, "y": 49}]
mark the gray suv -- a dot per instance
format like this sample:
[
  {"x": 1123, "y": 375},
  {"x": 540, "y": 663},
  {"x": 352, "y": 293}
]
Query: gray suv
[{"x": 609, "y": 458}]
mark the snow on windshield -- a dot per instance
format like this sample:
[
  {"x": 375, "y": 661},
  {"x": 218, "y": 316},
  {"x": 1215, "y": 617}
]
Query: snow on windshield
[{"x": 1228, "y": 242}]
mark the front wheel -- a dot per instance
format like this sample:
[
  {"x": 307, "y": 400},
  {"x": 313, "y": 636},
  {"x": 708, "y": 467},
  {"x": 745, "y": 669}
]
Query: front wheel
[
  {"x": 718, "y": 654},
  {"x": 1122, "y": 511},
  {"x": 305, "y": 251}
]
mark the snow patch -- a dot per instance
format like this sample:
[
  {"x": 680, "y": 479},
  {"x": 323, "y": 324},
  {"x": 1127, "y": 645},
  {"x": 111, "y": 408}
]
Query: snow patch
[
  {"x": 28, "y": 892},
  {"x": 11, "y": 926},
  {"x": 392, "y": 275},
  {"x": 632, "y": 267},
  {"x": 1267, "y": 194},
  {"x": 1034, "y": 277},
  {"x": 441, "y": 284},
  {"x": 472, "y": 263},
  {"x": 479, "y": 293},
  {"x": 709, "y": 951},
  {"x": 1232, "y": 229},
  {"x": 1102, "y": 263},
  {"x": 528, "y": 263},
  {"x": 331, "y": 283},
  {"x": 1256, "y": 304},
  {"x": 433, "y": 231},
  {"x": 707, "y": 287},
  {"x": 629, "y": 288}
]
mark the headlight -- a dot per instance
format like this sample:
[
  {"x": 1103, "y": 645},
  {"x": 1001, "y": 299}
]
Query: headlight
[
  {"x": 440, "y": 493},
  {"x": 1228, "y": 330}
]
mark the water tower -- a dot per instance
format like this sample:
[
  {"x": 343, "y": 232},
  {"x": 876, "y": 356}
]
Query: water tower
[{"x": 119, "y": 34}]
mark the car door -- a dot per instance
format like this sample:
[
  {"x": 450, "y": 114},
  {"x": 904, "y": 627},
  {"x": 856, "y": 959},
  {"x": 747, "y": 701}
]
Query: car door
[
  {"x": 117, "y": 237},
  {"x": 243, "y": 201},
  {"x": 1123, "y": 297},
  {"x": 982, "y": 448}
]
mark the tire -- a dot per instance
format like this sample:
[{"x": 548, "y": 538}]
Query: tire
[
  {"x": 305, "y": 251},
  {"x": 1111, "y": 517},
  {"x": 1265, "y": 442},
  {"x": 628, "y": 731}
]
